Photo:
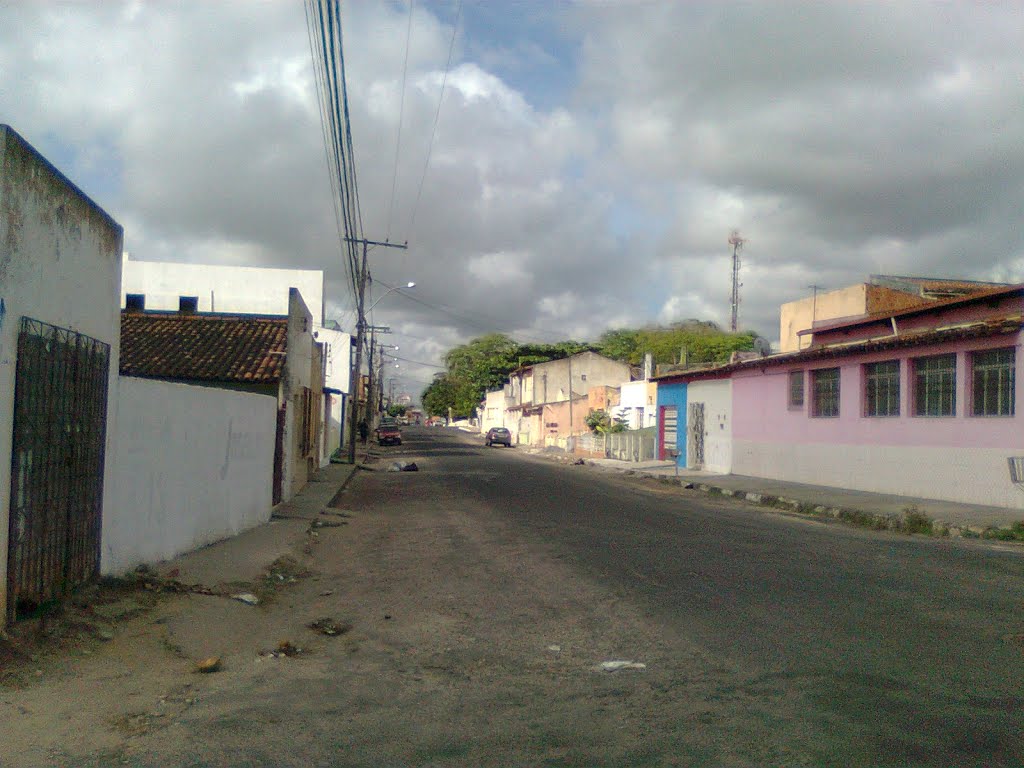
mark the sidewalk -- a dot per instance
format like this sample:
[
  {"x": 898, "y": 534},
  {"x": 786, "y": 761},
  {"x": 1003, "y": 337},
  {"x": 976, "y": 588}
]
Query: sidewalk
[
  {"x": 245, "y": 557},
  {"x": 878, "y": 509}
]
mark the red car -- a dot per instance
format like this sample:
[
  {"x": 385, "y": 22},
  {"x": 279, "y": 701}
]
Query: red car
[{"x": 389, "y": 434}]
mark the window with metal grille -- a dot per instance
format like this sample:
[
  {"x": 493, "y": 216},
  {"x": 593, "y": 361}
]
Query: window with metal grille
[
  {"x": 935, "y": 385},
  {"x": 882, "y": 388},
  {"x": 825, "y": 383},
  {"x": 992, "y": 382},
  {"x": 796, "y": 389}
]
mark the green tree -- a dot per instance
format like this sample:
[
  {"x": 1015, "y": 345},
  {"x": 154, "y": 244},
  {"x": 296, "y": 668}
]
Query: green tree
[
  {"x": 602, "y": 422},
  {"x": 621, "y": 344},
  {"x": 701, "y": 342},
  {"x": 438, "y": 397}
]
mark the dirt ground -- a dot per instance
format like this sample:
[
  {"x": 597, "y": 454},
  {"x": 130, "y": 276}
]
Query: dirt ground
[
  {"x": 457, "y": 628},
  {"x": 434, "y": 618}
]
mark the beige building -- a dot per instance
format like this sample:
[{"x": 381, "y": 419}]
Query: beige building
[{"x": 881, "y": 293}]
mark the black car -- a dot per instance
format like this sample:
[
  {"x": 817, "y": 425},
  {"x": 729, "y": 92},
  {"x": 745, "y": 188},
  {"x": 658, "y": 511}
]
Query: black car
[{"x": 499, "y": 435}]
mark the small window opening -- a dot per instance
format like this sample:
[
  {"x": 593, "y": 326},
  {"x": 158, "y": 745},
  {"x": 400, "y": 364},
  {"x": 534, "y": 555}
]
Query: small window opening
[
  {"x": 188, "y": 304},
  {"x": 135, "y": 302}
]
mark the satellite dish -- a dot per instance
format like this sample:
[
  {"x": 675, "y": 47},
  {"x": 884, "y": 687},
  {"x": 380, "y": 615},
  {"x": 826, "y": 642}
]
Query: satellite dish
[{"x": 762, "y": 346}]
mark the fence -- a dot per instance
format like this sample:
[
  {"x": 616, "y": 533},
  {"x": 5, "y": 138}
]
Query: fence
[{"x": 633, "y": 445}]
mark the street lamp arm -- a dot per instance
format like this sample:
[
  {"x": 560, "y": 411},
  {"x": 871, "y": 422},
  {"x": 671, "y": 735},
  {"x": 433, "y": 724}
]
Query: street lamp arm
[{"x": 392, "y": 289}]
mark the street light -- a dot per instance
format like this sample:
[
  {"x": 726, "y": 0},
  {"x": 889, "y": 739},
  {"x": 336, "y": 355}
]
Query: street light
[{"x": 392, "y": 289}]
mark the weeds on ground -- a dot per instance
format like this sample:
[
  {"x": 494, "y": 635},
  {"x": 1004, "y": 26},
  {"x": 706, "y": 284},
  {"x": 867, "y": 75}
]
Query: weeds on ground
[
  {"x": 1014, "y": 533},
  {"x": 915, "y": 521},
  {"x": 864, "y": 519},
  {"x": 283, "y": 571}
]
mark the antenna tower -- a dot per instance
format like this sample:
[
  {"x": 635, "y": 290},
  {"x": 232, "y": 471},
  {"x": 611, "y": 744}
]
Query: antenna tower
[{"x": 737, "y": 245}]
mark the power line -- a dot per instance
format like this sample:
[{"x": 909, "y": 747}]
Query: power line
[
  {"x": 437, "y": 115},
  {"x": 482, "y": 322},
  {"x": 418, "y": 362},
  {"x": 324, "y": 27},
  {"x": 401, "y": 113}
]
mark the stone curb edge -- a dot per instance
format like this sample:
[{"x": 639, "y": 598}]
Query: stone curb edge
[{"x": 876, "y": 520}]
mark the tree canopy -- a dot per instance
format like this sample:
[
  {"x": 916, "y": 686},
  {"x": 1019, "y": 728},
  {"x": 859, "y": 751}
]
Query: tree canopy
[{"x": 692, "y": 342}]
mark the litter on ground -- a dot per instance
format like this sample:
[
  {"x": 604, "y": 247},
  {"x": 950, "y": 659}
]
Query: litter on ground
[{"x": 330, "y": 627}]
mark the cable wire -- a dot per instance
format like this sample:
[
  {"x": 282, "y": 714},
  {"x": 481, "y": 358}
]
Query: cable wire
[
  {"x": 437, "y": 115},
  {"x": 401, "y": 114}
]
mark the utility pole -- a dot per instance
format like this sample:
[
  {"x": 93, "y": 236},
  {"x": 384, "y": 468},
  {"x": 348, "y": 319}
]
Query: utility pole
[
  {"x": 371, "y": 412},
  {"x": 357, "y": 365},
  {"x": 737, "y": 245},
  {"x": 568, "y": 442}
]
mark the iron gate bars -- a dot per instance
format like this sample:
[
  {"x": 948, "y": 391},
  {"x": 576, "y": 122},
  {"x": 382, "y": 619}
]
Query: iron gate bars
[{"x": 60, "y": 423}]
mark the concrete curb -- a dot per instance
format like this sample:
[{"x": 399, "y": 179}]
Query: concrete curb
[{"x": 912, "y": 521}]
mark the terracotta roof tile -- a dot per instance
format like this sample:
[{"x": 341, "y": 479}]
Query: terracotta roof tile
[{"x": 203, "y": 347}]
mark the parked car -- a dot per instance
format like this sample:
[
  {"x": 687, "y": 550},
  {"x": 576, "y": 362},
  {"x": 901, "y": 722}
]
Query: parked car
[
  {"x": 499, "y": 435},
  {"x": 389, "y": 434}
]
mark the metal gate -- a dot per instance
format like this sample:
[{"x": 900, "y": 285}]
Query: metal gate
[
  {"x": 278, "y": 490},
  {"x": 669, "y": 419},
  {"x": 695, "y": 448},
  {"x": 60, "y": 426}
]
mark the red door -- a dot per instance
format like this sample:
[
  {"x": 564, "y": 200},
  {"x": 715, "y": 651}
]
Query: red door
[{"x": 668, "y": 421}]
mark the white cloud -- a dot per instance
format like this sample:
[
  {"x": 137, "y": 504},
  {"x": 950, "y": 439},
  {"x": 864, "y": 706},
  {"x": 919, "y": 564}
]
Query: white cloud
[{"x": 839, "y": 142}]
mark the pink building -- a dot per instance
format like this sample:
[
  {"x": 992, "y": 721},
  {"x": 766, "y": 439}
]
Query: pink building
[{"x": 917, "y": 402}]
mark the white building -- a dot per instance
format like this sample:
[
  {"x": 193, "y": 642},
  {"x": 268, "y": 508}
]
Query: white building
[
  {"x": 493, "y": 413},
  {"x": 709, "y": 425},
  {"x": 218, "y": 288},
  {"x": 154, "y": 285},
  {"x": 637, "y": 404},
  {"x": 60, "y": 273},
  {"x": 337, "y": 372}
]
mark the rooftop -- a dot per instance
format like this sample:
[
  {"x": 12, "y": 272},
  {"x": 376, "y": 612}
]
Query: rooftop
[
  {"x": 932, "y": 306},
  {"x": 966, "y": 330},
  {"x": 203, "y": 347}
]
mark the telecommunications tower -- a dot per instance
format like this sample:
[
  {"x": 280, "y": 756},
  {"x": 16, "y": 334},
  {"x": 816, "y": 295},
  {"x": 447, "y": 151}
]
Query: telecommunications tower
[{"x": 737, "y": 245}]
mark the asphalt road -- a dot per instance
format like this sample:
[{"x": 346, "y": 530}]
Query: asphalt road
[
  {"x": 485, "y": 590},
  {"x": 855, "y": 647}
]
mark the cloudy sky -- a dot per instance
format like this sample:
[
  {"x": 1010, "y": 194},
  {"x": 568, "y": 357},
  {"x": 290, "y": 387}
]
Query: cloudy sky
[{"x": 589, "y": 161}]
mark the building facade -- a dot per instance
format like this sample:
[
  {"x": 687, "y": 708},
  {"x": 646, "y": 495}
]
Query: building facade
[{"x": 60, "y": 271}]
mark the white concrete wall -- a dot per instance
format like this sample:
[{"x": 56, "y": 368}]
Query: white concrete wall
[
  {"x": 333, "y": 435},
  {"x": 968, "y": 475},
  {"x": 221, "y": 288},
  {"x": 193, "y": 465},
  {"x": 717, "y": 398},
  {"x": 298, "y": 373},
  {"x": 60, "y": 262}
]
